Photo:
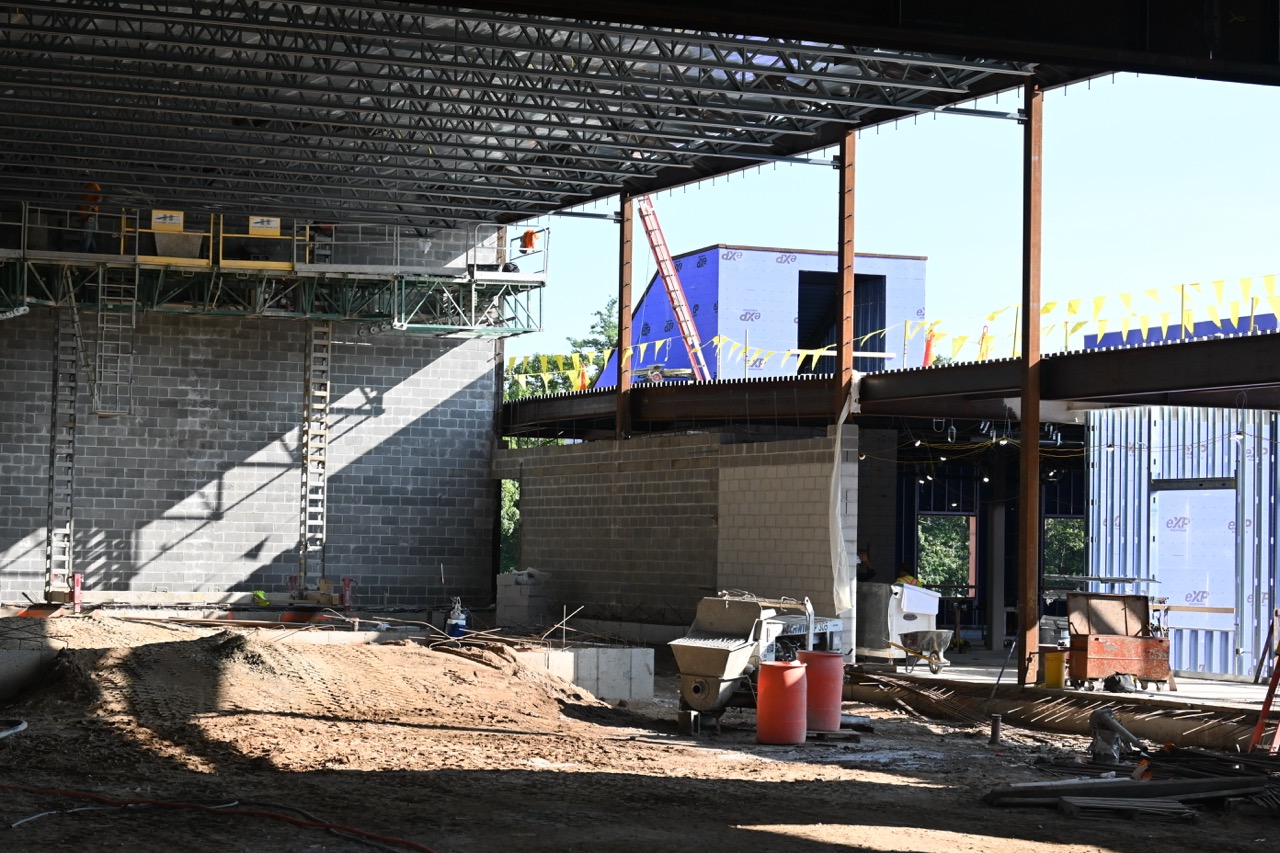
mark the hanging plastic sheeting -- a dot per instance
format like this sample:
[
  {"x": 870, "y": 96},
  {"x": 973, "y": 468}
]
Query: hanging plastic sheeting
[{"x": 1155, "y": 472}]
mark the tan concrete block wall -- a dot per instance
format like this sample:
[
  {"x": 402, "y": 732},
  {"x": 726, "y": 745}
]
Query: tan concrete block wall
[
  {"x": 640, "y": 531},
  {"x": 774, "y": 523}
]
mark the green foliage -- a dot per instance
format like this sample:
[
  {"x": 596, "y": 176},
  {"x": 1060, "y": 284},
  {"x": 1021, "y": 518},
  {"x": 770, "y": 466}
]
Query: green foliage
[
  {"x": 943, "y": 559},
  {"x": 1064, "y": 543},
  {"x": 602, "y": 337},
  {"x": 509, "y": 520}
]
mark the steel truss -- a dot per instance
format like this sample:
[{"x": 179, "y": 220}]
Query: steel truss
[{"x": 402, "y": 112}]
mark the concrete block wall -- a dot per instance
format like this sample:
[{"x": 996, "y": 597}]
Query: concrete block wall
[
  {"x": 26, "y": 375},
  {"x": 627, "y": 529},
  {"x": 878, "y": 499},
  {"x": 640, "y": 531},
  {"x": 411, "y": 437},
  {"x": 774, "y": 536},
  {"x": 198, "y": 488}
]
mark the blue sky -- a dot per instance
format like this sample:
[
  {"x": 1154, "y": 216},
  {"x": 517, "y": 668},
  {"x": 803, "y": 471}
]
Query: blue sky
[{"x": 1149, "y": 183}]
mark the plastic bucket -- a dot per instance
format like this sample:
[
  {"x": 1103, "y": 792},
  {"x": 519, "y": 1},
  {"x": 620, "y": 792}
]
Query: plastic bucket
[
  {"x": 781, "y": 700},
  {"x": 825, "y": 677},
  {"x": 1055, "y": 670}
]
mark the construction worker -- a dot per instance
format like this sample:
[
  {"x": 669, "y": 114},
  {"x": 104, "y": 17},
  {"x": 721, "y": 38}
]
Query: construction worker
[
  {"x": 88, "y": 211},
  {"x": 904, "y": 576}
]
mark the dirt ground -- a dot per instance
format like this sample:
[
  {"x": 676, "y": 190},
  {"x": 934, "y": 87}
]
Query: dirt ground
[{"x": 155, "y": 738}]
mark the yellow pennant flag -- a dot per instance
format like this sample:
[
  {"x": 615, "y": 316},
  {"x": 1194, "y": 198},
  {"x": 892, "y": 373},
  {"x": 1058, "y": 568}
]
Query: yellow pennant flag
[
  {"x": 1098, "y": 302},
  {"x": 1153, "y": 294},
  {"x": 589, "y": 356},
  {"x": 643, "y": 348},
  {"x": 1274, "y": 302},
  {"x": 1269, "y": 282},
  {"x": 1234, "y": 306},
  {"x": 1246, "y": 289},
  {"x": 1212, "y": 311},
  {"x": 991, "y": 318},
  {"x": 813, "y": 360},
  {"x": 911, "y": 328},
  {"x": 938, "y": 336},
  {"x": 543, "y": 360},
  {"x": 577, "y": 361},
  {"x": 1145, "y": 322},
  {"x": 770, "y": 354},
  {"x": 523, "y": 380},
  {"x": 1217, "y": 290},
  {"x": 626, "y": 356},
  {"x": 608, "y": 354},
  {"x": 1127, "y": 300},
  {"x": 1050, "y": 330},
  {"x": 1047, "y": 308},
  {"x": 1102, "y": 328},
  {"x": 1077, "y": 327},
  {"x": 511, "y": 364},
  {"x": 956, "y": 343},
  {"x": 560, "y": 363},
  {"x": 1073, "y": 307},
  {"x": 1164, "y": 326},
  {"x": 756, "y": 353},
  {"x": 546, "y": 382}
]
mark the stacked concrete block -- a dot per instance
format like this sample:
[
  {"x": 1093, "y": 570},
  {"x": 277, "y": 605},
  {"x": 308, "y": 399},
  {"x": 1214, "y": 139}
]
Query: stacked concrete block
[
  {"x": 607, "y": 672},
  {"x": 522, "y": 601}
]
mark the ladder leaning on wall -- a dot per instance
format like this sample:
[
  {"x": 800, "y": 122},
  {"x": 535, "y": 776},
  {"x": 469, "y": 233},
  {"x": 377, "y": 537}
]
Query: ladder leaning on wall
[
  {"x": 675, "y": 291},
  {"x": 315, "y": 452}
]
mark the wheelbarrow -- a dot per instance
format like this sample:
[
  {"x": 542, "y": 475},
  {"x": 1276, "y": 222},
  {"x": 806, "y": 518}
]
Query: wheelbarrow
[{"x": 926, "y": 646}]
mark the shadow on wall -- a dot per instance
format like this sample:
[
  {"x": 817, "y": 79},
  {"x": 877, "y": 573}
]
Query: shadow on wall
[{"x": 200, "y": 488}]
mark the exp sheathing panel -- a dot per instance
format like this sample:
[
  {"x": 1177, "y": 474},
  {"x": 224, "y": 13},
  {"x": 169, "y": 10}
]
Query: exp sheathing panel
[
  {"x": 727, "y": 287},
  {"x": 653, "y": 327},
  {"x": 759, "y": 307},
  {"x": 904, "y": 295}
]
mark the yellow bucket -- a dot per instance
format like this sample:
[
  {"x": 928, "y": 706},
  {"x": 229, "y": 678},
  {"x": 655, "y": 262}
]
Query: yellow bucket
[{"x": 1055, "y": 670}]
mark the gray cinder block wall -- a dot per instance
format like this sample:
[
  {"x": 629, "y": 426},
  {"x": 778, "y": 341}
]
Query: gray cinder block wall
[
  {"x": 878, "y": 498},
  {"x": 198, "y": 489},
  {"x": 640, "y": 531}
]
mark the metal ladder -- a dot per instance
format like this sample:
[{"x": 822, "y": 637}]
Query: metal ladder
[
  {"x": 59, "y": 544},
  {"x": 315, "y": 447},
  {"x": 675, "y": 292},
  {"x": 117, "y": 314}
]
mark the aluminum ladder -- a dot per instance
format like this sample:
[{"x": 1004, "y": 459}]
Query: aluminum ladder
[
  {"x": 315, "y": 448},
  {"x": 59, "y": 539},
  {"x": 675, "y": 292},
  {"x": 117, "y": 316}
]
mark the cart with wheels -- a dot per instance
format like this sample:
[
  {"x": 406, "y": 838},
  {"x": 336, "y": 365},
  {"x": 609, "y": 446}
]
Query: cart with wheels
[{"x": 927, "y": 646}]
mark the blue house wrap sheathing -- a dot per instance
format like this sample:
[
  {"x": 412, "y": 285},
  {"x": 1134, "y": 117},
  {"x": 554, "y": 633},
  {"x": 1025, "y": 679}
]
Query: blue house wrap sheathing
[{"x": 764, "y": 303}]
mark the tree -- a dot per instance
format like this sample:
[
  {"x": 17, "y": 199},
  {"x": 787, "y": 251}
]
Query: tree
[
  {"x": 944, "y": 552},
  {"x": 1064, "y": 546},
  {"x": 602, "y": 336},
  {"x": 509, "y": 521}
]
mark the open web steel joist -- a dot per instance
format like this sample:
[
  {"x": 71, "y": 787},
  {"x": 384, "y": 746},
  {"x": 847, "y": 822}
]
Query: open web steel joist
[{"x": 404, "y": 112}]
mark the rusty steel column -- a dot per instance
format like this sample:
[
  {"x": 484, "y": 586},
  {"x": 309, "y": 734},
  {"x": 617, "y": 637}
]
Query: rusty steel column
[
  {"x": 1029, "y": 455},
  {"x": 844, "y": 339},
  {"x": 622, "y": 419}
]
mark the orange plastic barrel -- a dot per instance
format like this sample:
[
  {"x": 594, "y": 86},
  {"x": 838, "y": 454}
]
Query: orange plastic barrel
[
  {"x": 825, "y": 677},
  {"x": 781, "y": 701}
]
